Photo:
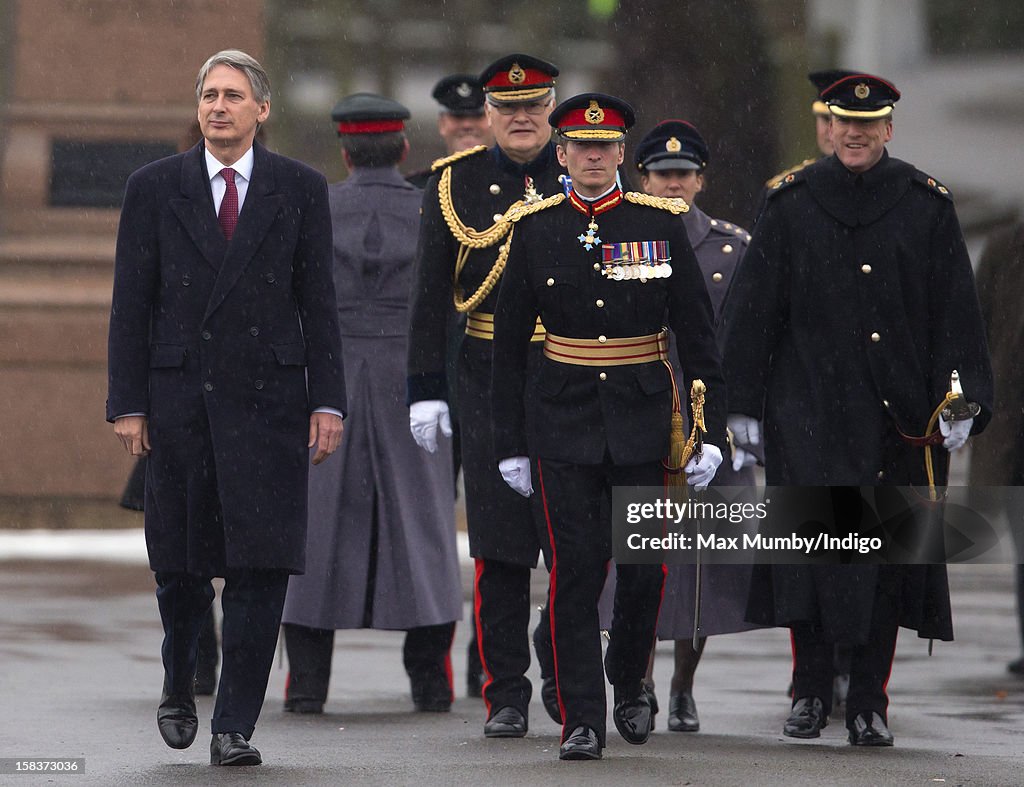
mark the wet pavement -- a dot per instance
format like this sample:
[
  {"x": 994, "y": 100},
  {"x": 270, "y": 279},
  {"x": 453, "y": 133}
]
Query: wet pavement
[{"x": 79, "y": 643}]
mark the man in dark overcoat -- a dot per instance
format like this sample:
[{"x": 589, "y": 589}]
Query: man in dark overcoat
[
  {"x": 854, "y": 303},
  {"x": 605, "y": 270},
  {"x": 381, "y": 547},
  {"x": 225, "y": 367},
  {"x": 461, "y": 256}
]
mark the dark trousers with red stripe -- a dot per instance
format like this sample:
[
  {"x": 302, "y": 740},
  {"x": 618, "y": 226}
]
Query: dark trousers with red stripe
[
  {"x": 870, "y": 662},
  {"x": 576, "y": 500},
  {"x": 501, "y": 612},
  {"x": 426, "y": 655}
]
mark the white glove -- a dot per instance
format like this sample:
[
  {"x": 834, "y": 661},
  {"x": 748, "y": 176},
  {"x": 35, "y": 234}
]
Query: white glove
[
  {"x": 424, "y": 419},
  {"x": 746, "y": 431},
  {"x": 955, "y": 432},
  {"x": 742, "y": 458},
  {"x": 699, "y": 472},
  {"x": 516, "y": 472}
]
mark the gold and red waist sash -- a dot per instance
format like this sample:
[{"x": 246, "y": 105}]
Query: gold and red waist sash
[
  {"x": 480, "y": 325},
  {"x": 603, "y": 351}
]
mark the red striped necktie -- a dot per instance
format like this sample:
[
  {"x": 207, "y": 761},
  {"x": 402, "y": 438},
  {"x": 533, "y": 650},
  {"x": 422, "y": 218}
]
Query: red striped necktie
[{"x": 228, "y": 216}]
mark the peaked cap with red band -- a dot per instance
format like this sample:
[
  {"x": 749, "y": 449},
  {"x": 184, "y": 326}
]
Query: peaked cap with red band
[
  {"x": 594, "y": 117},
  {"x": 518, "y": 77},
  {"x": 860, "y": 97},
  {"x": 368, "y": 113}
]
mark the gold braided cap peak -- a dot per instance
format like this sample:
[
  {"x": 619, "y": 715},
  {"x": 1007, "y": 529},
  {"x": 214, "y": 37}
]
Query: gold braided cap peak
[
  {"x": 674, "y": 205},
  {"x": 520, "y": 210},
  {"x": 444, "y": 162}
]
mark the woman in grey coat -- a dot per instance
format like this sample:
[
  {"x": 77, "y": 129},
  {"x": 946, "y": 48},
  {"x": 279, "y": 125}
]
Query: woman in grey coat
[{"x": 381, "y": 550}]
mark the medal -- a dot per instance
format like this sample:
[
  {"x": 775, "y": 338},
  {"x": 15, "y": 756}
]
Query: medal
[{"x": 589, "y": 239}]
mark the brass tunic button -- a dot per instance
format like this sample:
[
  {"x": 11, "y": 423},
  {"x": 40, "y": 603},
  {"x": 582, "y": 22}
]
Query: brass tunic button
[
  {"x": 551, "y": 282},
  {"x": 885, "y": 402},
  {"x": 602, "y": 339},
  {"x": 881, "y": 474},
  {"x": 497, "y": 217},
  {"x": 714, "y": 222},
  {"x": 597, "y": 266},
  {"x": 876, "y": 337},
  {"x": 495, "y": 189},
  {"x": 727, "y": 248},
  {"x": 716, "y": 276},
  {"x": 865, "y": 268},
  {"x": 600, "y": 303},
  {"x": 602, "y": 376}
]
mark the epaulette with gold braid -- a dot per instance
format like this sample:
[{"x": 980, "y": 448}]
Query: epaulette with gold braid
[
  {"x": 521, "y": 210},
  {"x": 773, "y": 181},
  {"x": 444, "y": 162},
  {"x": 674, "y": 205}
]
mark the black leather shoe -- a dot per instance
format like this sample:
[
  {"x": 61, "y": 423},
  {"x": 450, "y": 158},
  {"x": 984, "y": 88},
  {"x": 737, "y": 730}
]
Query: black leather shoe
[
  {"x": 305, "y": 706},
  {"x": 582, "y": 744},
  {"x": 176, "y": 719},
  {"x": 231, "y": 748},
  {"x": 633, "y": 717},
  {"x": 868, "y": 729},
  {"x": 682, "y": 713},
  {"x": 549, "y": 696},
  {"x": 431, "y": 696},
  {"x": 807, "y": 719},
  {"x": 506, "y": 723}
]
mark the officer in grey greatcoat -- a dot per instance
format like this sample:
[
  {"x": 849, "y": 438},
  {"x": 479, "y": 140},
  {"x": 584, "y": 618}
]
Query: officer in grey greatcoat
[{"x": 381, "y": 549}]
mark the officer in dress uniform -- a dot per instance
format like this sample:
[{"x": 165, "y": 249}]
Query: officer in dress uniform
[
  {"x": 672, "y": 160},
  {"x": 461, "y": 120},
  {"x": 852, "y": 306},
  {"x": 603, "y": 270},
  {"x": 381, "y": 542},
  {"x": 463, "y": 236}
]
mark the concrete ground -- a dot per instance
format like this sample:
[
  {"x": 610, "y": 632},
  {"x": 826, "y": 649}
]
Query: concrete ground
[{"x": 79, "y": 643}]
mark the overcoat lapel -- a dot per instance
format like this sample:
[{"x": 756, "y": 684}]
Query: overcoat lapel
[
  {"x": 254, "y": 221},
  {"x": 195, "y": 208}
]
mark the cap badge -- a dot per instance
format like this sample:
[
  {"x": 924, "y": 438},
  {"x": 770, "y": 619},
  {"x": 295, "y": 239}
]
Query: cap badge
[
  {"x": 862, "y": 91},
  {"x": 464, "y": 90},
  {"x": 594, "y": 113},
  {"x": 673, "y": 145},
  {"x": 516, "y": 75}
]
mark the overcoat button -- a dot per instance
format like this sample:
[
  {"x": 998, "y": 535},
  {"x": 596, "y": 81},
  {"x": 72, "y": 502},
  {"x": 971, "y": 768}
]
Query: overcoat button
[
  {"x": 207, "y": 386},
  {"x": 254, "y": 331},
  {"x": 206, "y": 335},
  {"x": 259, "y": 385},
  {"x": 186, "y": 281},
  {"x": 271, "y": 278}
]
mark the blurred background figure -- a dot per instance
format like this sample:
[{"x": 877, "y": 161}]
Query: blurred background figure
[
  {"x": 461, "y": 121},
  {"x": 995, "y": 455},
  {"x": 672, "y": 159}
]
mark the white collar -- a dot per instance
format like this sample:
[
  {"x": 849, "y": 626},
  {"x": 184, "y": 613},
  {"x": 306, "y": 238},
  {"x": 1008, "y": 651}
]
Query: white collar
[{"x": 242, "y": 167}]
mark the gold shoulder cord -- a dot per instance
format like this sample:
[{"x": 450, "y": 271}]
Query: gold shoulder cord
[
  {"x": 470, "y": 238},
  {"x": 675, "y": 205}
]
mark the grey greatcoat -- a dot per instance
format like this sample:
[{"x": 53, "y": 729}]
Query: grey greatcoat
[
  {"x": 719, "y": 246},
  {"x": 379, "y": 497}
]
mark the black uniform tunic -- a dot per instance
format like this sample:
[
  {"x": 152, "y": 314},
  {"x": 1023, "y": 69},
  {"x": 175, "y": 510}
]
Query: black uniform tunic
[
  {"x": 483, "y": 186},
  {"x": 594, "y": 427}
]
